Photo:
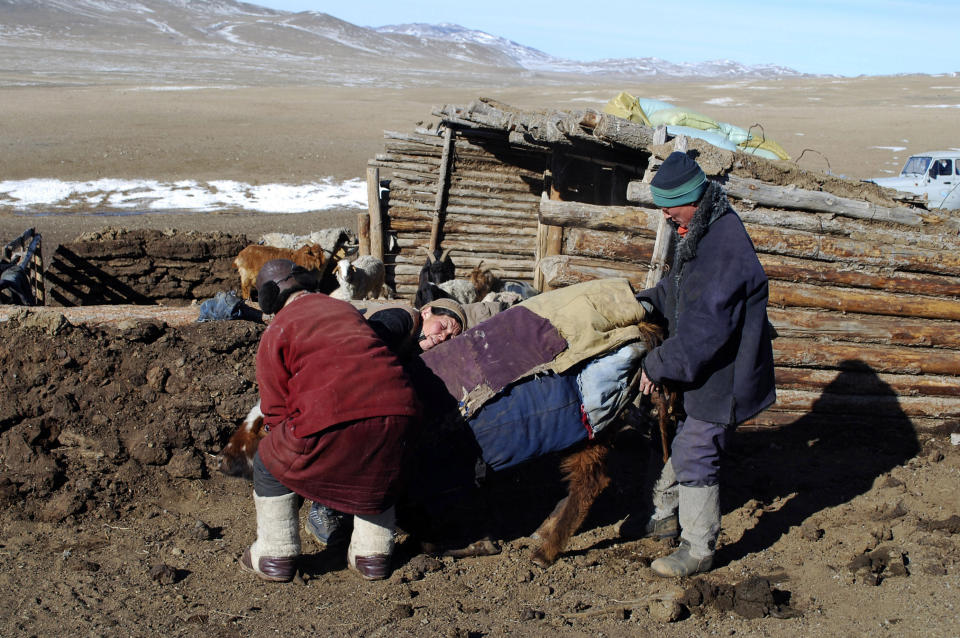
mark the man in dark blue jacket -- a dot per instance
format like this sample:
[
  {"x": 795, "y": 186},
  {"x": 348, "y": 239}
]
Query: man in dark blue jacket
[{"x": 717, "y": 353}]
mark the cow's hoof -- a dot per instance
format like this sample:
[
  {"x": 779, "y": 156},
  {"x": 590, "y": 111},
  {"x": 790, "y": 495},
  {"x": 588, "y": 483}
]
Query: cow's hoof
[{"x": 541, "y": 559}]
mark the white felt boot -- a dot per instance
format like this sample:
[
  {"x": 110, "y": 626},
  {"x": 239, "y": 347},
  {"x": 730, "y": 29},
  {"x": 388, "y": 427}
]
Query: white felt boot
[
  {"x": 371, "y": 544},
  {"x": 274, "y": 554},
  {"x": 700, "y": 526}
]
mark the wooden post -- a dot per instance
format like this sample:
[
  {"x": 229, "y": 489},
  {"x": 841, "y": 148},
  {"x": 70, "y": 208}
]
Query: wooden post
[
  {"x": 363, "y": 233},
  {"x": 373, "y": 206},
  {"x": 661, "y": 247},
  {"x": 39, "y": 291},
  {"x": 549, "y": 238},
  {"x": 443, "y": 178}
]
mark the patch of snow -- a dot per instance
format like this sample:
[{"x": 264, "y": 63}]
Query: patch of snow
[{"x": 184, "y": 195}]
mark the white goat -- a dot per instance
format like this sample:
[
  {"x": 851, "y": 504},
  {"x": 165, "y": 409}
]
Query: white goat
[{"x": 363, "y": 278}]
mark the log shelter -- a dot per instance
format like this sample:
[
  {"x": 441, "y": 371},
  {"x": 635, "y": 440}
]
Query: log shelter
[{"x": 864, "y": 287}]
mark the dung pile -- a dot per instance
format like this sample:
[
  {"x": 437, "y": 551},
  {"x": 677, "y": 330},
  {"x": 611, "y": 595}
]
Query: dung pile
[{"x": 87, "y": 409}]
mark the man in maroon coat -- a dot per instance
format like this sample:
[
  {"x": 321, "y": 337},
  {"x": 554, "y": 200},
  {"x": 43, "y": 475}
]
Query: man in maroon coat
[{"x": 340, "y": 411}]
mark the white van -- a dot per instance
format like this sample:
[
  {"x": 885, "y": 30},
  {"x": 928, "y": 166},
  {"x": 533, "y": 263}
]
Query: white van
[{"x": 935, "y": 175}]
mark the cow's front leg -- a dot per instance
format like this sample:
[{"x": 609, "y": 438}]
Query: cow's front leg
[{"x": 586, "y": 476}]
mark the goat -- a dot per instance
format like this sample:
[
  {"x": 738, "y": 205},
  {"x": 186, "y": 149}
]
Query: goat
[
  {"x": 483, "y": 280},
  {"x": 252, "y": 258},
  {"x": 460, "y": 290},
  {"x": 363, "y": 278},
  {"x": 585, "y": 470},
  {"x": 330, "y": 239},
  {"x": 437, "y": 269}
]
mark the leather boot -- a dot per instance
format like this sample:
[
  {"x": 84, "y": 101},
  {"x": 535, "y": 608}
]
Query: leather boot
[
  {"x": 700, "y": 525},
  {"x": 371, "y": 544},
  {"x": 273, "y": 556}
]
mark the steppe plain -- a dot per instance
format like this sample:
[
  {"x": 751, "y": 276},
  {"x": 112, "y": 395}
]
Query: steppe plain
[{"x": 803, "y": 507}]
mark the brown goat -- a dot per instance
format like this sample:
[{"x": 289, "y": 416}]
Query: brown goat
[
  {"x": 483, "y": 280},
  {"x": 252, "y": 258}
]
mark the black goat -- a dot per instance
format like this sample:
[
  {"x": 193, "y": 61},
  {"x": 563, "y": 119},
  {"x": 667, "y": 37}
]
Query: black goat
[{"x": 437, "y": 269}]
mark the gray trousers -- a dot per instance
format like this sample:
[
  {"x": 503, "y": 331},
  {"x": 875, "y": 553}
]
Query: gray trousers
[
  {"x": 263, "y": 482},
  {"x": 694, "y": 462}
]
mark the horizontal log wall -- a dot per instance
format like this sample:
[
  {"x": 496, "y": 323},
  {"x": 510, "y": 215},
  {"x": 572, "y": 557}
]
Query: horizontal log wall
[
  {"x": 865, "y": 299},
  {"x": 490, "y": 214}
]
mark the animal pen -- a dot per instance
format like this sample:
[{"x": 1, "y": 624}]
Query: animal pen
[{"x": 863, "y": 287}]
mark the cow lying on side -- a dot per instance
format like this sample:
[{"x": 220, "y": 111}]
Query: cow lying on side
[{"x": 584, "y": 465}]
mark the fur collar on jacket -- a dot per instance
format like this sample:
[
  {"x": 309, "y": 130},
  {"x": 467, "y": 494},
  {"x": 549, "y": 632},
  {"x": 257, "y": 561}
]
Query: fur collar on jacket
[{"x": 713, "y": 205}]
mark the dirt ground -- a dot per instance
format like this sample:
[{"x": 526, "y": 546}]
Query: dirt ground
[{"x": 115, "y": 522}]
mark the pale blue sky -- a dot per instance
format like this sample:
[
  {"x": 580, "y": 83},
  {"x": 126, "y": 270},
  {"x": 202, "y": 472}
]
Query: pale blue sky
[{"x": 844, "y": 37}]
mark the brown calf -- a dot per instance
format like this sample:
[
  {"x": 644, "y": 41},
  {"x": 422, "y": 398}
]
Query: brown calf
[{"x": 585, "y": 473}]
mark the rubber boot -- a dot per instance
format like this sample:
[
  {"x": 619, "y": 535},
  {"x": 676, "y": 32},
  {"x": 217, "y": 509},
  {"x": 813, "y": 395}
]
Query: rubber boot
[
  {"x": 700, "y": 525},
  {"x": 371, "y": 544},
  {"x": 663, "y": 523},
  {"x": 273, "y": 556}
]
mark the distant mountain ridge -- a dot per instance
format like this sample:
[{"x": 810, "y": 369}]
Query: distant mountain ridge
[{"x": 230, "y": 42}]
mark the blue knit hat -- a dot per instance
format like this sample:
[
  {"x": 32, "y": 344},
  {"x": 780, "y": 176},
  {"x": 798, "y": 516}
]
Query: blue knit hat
[{"x": 678, "y": 181}]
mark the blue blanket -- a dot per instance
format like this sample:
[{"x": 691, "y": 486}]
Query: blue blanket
[{"x": 529, "y": 419}]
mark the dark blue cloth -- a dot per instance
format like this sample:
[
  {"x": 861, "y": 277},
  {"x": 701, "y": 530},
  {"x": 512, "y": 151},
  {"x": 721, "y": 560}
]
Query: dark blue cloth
[
  {"x": 223, "y": 306},
  {"x": 714, "y": 302},
  {"x": 529, "y": 419}
]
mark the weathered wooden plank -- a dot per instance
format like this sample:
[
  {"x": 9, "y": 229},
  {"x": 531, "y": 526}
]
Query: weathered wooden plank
[
  {"x": 443, "y": 176},
  {"x": 564, "y": 270},
  {"x": 860, "y": 328},
  {"x": 493, "y": 173},
  {"x": 481, "y": 247},
  {"x": 641, "y": 221},
  {"x": 796, "y": 199},
  {"x": 801, "y": 199},
  {"x": 864, "y": 382},
  {"x": 408, "y": 219},
  {"x": 795, "y": 243},
  {"x": 605, "y": 245},
  {"x": 363, "y": 234},
  {"x": 376, "y": 212},
  {"x": 549, "y": 238},
  {"x": 891, "y": 359},
  {"x": 932, "y": 237},
  {"x": 837, "y": 403},
  {"x": 552, "y": 128},
  {"x": 873, "y": 302},
  {"x": 858, "y": 276},
  {"x": 817, "y": 245},
  {"x": 465, "y": 262},
  {"x": 401, "y": 206},
  {"x": 773, "y": 419},
  {"x": 455, "y": 192}
]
